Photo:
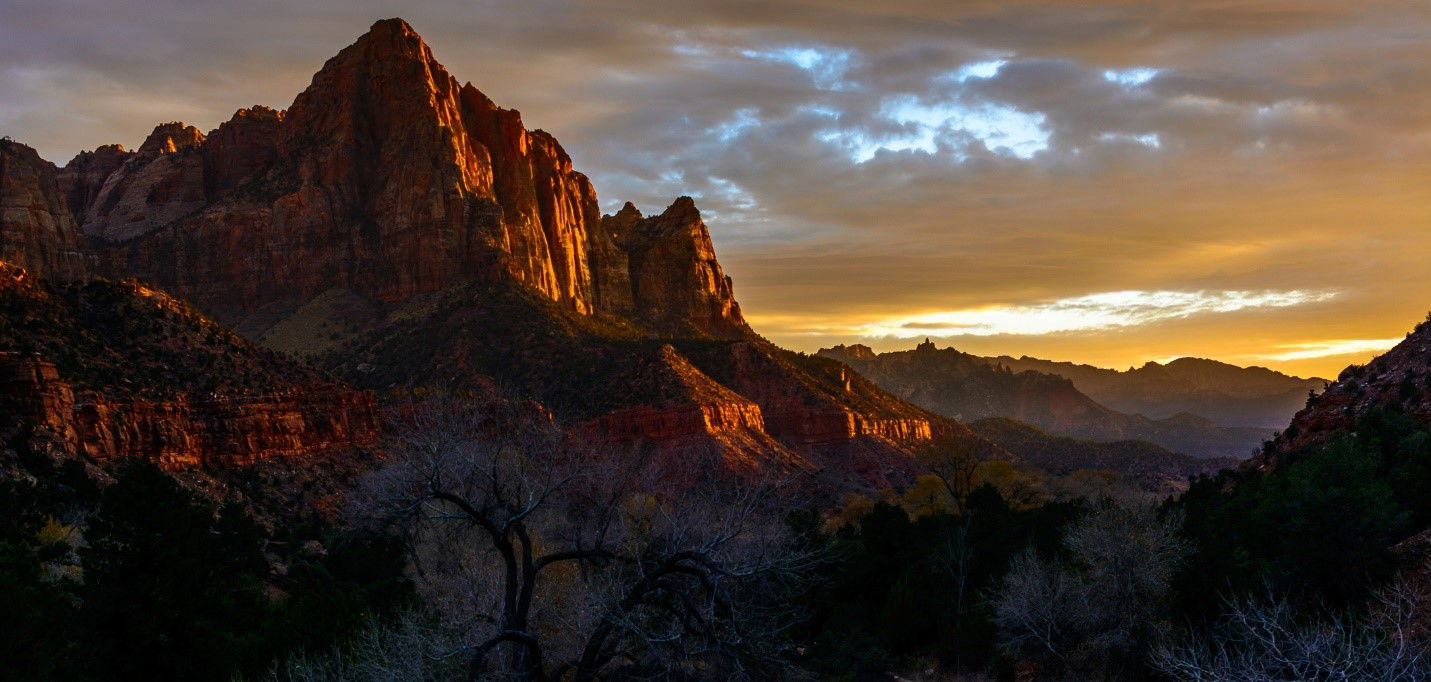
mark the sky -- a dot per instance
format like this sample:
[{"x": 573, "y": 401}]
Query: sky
[{"x": 1110, "y": 182}]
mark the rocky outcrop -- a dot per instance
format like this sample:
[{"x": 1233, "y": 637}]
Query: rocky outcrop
[
  {"x": 387, "y": 178},
  {"x": 240, "y": 149},
  {"x": 1398, "y": 380},
  {"x": 83, "y": 177},
  {"x": 159, "y": 184},
  {"x": 672, "y": 281},
  {"x": 187, "y": 433},
  {"x": 464, "y": 245},
  {"x": 805, "y": 413},
  {"x": 36, "y": 229},
  {"x": 725, "y": 437}
]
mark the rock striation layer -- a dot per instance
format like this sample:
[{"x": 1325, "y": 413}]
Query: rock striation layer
[{"x": 188, "y": 433}]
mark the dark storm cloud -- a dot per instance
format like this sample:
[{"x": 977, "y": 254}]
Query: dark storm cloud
[{"x": 866, "y": 163}]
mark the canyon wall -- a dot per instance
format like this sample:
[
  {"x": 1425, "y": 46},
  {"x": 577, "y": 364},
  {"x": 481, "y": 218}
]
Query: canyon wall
[{"x": 188, "y": 433}]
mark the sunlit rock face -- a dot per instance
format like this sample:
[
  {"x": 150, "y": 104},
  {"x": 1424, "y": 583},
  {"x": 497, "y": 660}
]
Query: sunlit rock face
[
  {"x": 672, "y": 280},
  {"x": 112, "y": 370},
  {"x": 477, "y": 251},
  {"x": 37, "y": 231},
  {"x": 387, "y": 178},
  {"x": 186, "y": 433}
]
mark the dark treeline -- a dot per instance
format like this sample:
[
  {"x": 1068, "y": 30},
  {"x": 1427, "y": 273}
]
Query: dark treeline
[
  {"x": 166, "y": 585},
  {"x": 969, "y": 574}
]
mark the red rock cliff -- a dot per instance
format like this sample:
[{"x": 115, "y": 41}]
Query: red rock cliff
[
  {"x": 388, "y": 178},
  {"x": 672, "y": 280},
  {"x": 193, "y": 432},
  {"x": 36, "y": 229},
  {"x": 385, "y": 177}
]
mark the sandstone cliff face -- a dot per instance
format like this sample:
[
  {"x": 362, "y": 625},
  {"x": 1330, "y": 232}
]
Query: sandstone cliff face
[
  {"x": 159, "y": 184},
  {"x": 675, "y": 284},
  {"x": 390, "y": 182},
  {"x": 188, "y": 433},
  {"x": 240, "y": 149},
  {"x": 36, "y": 229},
  {"x": 385, "y": 177},
  {"x": 114, "y": 370},
  {"x": 805, "y": 412},
  {"x": 83, "y": 177}
]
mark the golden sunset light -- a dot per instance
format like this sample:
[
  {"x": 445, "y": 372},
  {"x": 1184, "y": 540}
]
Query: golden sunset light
[{"x": 788, "y": 340}]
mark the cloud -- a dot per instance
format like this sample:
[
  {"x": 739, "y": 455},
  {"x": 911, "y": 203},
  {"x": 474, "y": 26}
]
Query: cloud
[
  {"x": 1089, "y": 313},
  {"x": 1332, "y": 348}
]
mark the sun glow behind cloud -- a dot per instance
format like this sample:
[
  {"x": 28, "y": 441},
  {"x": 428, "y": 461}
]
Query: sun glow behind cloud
[
  {"x": 1328, "y": 348},
  {"x": 1093, "y": 312}
]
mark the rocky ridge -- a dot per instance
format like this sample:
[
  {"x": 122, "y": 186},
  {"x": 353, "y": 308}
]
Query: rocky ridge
[{"x": 1398, "y": 380}]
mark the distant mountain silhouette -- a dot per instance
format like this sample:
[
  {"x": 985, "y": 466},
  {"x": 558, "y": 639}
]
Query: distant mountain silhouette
[
  {"x": 968, "y": 387},
  {"x": 1226, "y": 394}
]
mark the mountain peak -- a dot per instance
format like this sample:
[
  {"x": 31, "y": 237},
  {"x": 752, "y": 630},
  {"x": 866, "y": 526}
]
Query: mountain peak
[
  {"x": 682, "y": 207},
  {"x": 171, "y": 137},
  {"x": 393, "y": 26}
]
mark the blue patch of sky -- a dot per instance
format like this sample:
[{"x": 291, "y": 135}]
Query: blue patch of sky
[
  {"x": 1152, "y": 140},
  {"x": 984, "y": 70},
  {"x": 826, "y": 66},
  {"x": 1131, "y": 78},
  {"x": 1003, "y": 129}
]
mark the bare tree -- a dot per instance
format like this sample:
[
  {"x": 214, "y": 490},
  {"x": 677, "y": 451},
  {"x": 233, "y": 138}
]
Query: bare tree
[
  {"x": 1266, "y": 640},
  {"x": 551, "y": 561},
  {"x": 408, "y": 649},
  {"x": 1101, "y": 611}
]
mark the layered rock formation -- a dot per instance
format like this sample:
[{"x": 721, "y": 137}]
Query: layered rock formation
[
  {"x": 113, "y": 371},
  {"x": 671, "y": 279},
  {"x": 36, "y": 229},
  {"x": 188, "y": 433},
  {"x": 431, "y": 239}
]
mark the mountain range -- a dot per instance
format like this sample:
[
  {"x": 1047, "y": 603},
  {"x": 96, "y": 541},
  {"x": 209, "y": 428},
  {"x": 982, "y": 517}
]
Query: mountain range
[
  {"x": 1051, "y": 395},
  {"x": 1227, "y": 394}
]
